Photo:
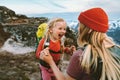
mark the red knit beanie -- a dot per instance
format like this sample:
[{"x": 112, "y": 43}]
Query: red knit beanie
[{"x": 95, "y": 18}]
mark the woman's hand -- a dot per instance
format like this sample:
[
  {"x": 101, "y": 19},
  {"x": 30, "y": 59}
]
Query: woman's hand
[{"x": 45, "y": 55}]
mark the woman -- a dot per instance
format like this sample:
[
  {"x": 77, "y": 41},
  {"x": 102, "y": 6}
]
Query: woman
[{"x": 99, "y": 59}]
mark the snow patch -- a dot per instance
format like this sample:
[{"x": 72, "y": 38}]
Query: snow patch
[{"x": 16, "y": 47}]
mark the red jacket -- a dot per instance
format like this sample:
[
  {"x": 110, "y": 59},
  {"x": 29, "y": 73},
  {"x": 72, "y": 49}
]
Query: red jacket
[{"x": 54, "y": 46}]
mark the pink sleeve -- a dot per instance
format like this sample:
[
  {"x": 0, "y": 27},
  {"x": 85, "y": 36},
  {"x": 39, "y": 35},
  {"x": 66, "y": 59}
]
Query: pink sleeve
[{"x": 74, "y": 69}]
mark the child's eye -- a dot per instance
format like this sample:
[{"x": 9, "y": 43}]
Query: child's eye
[{"x": 60, "y": 28}]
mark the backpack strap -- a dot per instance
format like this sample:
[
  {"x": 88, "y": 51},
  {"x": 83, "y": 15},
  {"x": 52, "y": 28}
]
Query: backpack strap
[
  {"x": 96, "y": 74},
  {"x": 47, "y": 44}
]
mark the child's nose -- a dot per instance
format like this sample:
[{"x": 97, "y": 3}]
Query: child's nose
[{"x": 64, "y": 31}]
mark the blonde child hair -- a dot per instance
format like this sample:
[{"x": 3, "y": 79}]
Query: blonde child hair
[{"x": 51, "y": 24}]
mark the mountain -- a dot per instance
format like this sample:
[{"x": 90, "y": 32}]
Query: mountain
[
  {"x": 8, "y": 15},
  {"x": 114, "y": 24},
  {"x": 114, "y": 30},
  {"x": 68, "y": 16}
]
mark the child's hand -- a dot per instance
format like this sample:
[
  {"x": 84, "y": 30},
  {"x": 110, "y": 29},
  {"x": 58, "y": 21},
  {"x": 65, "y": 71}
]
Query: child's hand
[
  {"x": 73, "y": 48},
  {"x": 45, "y": 55}
]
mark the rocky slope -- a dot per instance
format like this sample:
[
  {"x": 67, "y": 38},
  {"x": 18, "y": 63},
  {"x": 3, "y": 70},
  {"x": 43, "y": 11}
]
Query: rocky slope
[
  {"x": 3, "y": 35},
  {"x": 19, "y": 66}
]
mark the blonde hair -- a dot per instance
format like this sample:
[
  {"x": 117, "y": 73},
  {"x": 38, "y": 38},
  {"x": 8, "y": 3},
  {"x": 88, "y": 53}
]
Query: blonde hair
[
  {"x": 51, "y": 24},
  {"x": 96, "y": 48}
]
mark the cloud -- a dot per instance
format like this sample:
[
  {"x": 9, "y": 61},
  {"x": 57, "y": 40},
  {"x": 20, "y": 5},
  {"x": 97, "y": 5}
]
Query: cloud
[
  {"x": 49, "y": 6},
  {"x": 56, "y": 5}
]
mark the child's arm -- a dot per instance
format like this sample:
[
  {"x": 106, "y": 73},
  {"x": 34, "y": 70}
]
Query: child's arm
[
  {"x": 45, "y": 55},
  {"x": 39, "y": 48}
]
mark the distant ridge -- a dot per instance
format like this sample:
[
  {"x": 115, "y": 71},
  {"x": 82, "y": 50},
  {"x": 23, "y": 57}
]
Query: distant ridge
[{"x": 68, "y": 16}]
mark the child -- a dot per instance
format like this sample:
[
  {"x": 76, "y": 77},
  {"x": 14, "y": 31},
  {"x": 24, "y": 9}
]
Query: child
[{"x": 55, "y": 31}]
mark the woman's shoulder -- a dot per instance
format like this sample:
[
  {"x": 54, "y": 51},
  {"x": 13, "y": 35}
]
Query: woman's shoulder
[
  {"x": 78, "y": 53},
  {"x": 74, "y": 68}
]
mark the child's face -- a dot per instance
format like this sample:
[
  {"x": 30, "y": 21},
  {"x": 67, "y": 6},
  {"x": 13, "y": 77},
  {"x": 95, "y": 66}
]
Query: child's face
[{"x": 59, "y": 30}]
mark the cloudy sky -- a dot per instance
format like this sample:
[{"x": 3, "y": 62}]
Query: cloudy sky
[{"x": 112, "y": 7}]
